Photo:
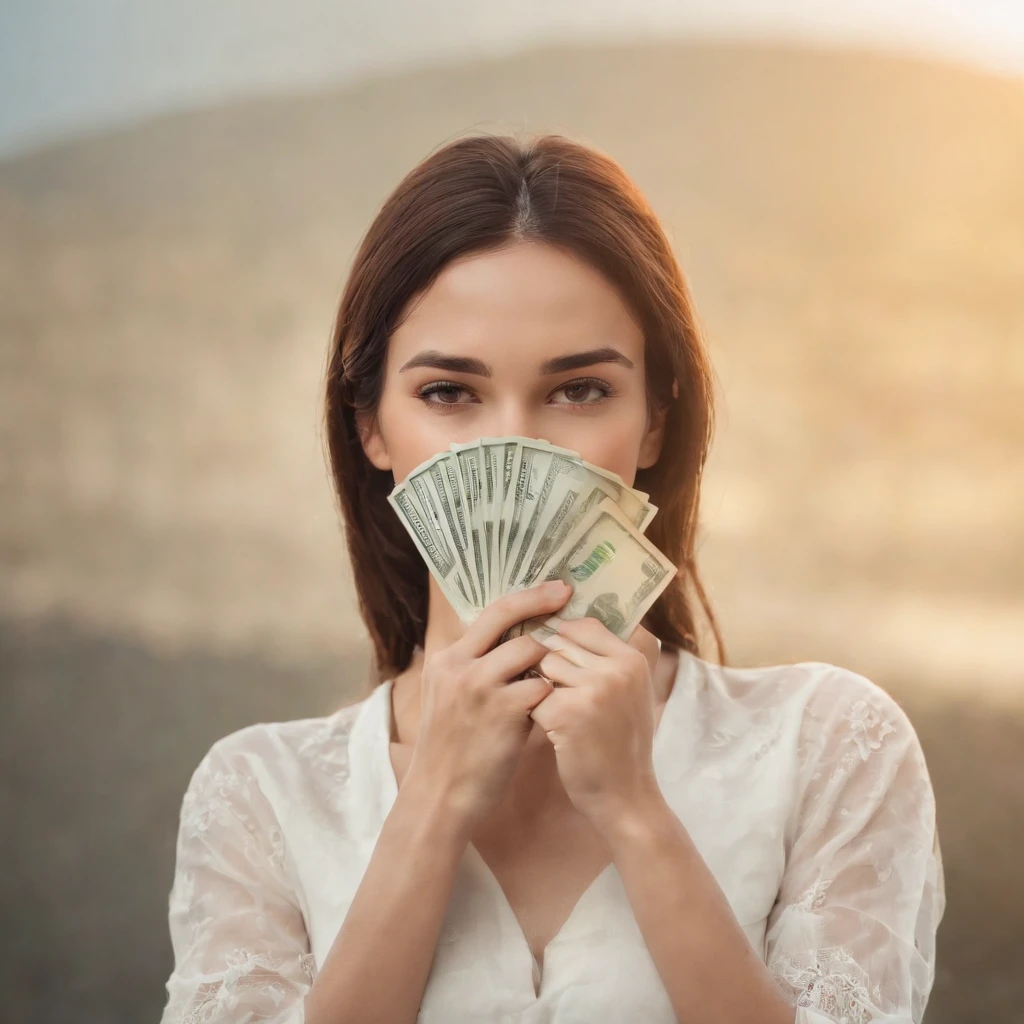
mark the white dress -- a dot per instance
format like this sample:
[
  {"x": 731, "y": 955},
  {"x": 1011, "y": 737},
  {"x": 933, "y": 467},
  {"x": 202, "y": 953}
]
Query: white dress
[{"x": 803, "y": 786}]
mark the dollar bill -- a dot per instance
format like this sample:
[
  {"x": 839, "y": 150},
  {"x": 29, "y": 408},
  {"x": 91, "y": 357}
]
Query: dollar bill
[
  {"x": 616, "y": 574},
  {"x": 470, "y": 473},
  {"x": 437, "y": 552},
  {"x": 438, "y": 489},
  {"x": 501, "y": 513},
  {"x": 499, "y": 461},
  {"x": 575, "y": 492}
]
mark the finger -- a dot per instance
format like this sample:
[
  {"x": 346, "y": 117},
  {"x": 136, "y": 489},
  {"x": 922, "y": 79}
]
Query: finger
[
  {"x": 525, "y": 694},
  {"x": 560, "y": 670},
  {"x": 508, "y": 660},
  {"x": 570, "y": 650},
  {"x": 551, "y": 714},
  {"x": 592, "y": 635},
  {"x": 483, "y": 633}
]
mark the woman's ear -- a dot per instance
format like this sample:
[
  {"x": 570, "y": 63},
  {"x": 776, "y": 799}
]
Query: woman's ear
[
  {"x": 372, "y": 439},
  {"x": 650, "y": 446}
]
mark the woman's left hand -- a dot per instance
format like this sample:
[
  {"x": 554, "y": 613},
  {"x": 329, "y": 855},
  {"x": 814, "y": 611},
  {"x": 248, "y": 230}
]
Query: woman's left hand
[{"x": 600, "y": 720}]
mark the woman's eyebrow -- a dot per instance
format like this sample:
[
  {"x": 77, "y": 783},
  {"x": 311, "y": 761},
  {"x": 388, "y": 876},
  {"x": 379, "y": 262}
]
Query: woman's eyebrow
[
  {"x": 559, "y": 364},
  {"x": 579, "y": 359},
  {"x": 454, "y": 364}
]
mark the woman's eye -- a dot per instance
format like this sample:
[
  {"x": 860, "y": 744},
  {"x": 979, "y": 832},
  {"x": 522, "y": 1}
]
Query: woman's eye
[
  {"x": 577, "y": 392},
  {"x": 447, "y": 393}
]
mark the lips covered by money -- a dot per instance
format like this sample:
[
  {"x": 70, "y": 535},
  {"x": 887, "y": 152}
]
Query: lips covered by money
[{"x": 503, "y": 513}]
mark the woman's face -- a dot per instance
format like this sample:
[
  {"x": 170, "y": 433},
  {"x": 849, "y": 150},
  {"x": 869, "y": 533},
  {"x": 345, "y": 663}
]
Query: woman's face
[{"x": 523, "y": 341}]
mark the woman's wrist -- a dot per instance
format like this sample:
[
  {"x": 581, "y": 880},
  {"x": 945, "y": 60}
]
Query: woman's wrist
[{"x": 432, "y": 816}]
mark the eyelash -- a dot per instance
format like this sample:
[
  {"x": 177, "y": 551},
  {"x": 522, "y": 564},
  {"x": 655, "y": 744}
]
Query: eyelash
[{"x": 446, "y": 385}]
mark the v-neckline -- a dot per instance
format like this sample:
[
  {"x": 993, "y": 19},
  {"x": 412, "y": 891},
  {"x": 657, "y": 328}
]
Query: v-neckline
[
  {"x": 538, "y": 969},
  {"x": 384, "y": 769}
]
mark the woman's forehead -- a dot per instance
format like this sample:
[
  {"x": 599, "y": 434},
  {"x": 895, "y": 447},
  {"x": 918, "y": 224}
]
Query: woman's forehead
[{"x": 528, "y": 299}]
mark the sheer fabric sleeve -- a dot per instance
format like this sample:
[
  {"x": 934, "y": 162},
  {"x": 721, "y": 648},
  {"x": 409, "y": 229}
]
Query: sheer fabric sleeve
[
  {"x": 241, "y": 952},
  {"x": 851, "y": 937}
]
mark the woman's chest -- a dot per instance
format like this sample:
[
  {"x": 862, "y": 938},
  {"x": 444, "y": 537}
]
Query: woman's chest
[
  {"x": 543, "y": 872},
  {"x": 536, "y": 922},
  {"x": 540, "y": 865}
]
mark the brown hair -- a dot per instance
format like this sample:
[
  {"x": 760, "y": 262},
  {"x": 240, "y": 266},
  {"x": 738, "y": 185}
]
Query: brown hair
[{"x": 479, "y": 193}]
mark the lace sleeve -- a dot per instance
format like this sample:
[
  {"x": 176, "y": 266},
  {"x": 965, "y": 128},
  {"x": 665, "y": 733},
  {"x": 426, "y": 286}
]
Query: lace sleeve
[
  {"x": 851, "y": 937},
  {"x": 241, "y": 953}
]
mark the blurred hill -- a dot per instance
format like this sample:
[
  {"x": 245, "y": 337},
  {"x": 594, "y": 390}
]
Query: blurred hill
[
  {"x": 853, "y": 229},
  {"x": 852, "y": 226}
]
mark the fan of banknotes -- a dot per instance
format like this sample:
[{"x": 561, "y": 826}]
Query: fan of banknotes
[{"x": 503, "y": 513}]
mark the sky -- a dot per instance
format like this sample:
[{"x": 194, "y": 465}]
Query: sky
[{"x": 71, "y": 67}]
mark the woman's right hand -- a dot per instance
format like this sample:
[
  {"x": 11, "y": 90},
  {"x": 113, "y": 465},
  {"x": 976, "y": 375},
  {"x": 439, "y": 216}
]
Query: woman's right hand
[{"x": 474, "y": 712}]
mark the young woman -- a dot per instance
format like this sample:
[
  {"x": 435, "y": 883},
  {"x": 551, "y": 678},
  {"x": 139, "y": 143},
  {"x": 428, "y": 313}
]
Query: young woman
[{"x": 657, "y": 837}]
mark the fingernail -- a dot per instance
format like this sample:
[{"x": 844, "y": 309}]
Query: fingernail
[{"x": 556, "y": 586}]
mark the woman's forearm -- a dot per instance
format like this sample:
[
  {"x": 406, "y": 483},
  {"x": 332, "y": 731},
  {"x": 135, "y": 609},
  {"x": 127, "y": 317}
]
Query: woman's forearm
[
  {"x": 377, "y": 968},
  {"x": 708, "y": 967}
]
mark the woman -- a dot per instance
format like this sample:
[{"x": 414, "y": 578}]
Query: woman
[{"x": 606, "y": 831}]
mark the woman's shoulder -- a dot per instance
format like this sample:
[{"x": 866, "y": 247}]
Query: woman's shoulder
[
  {"x": 824, "y": 701},
  {"x": 810, "y": 685},
  {"x": 264, "y": 749}
]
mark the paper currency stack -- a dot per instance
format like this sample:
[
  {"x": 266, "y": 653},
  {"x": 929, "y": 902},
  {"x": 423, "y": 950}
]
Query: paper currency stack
[{"x": 504, "y": 513}]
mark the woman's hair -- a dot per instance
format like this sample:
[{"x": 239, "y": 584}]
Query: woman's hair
[{"x": 481, "y": 193}]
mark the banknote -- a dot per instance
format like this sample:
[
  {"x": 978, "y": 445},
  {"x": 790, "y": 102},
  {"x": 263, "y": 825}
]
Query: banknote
[
  {"x": 433, "y": 546},
  {"x": 615, "y": 571},
  {"x": 497, "y": 514}
]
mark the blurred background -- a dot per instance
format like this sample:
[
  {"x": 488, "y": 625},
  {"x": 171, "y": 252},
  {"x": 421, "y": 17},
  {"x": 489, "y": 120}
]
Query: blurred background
[{"x": 182, "y": 189}]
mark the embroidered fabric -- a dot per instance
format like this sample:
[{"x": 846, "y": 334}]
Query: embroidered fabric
[
  {"x": 240, "y": 946},
  {"x": 818, "y": 751},
  {"x": 851, "y": 937}
]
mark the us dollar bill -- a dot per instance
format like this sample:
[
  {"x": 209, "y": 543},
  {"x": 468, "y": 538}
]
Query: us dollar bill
[
  {"x": 470, "y": 475},
  {"x": 501, "y": 513},
  {"x": 575, "y": 493},
  {"x": 435, "y": 550},
  {"x": 499, "y": 461},
  {"x": 616, "y": 574}
]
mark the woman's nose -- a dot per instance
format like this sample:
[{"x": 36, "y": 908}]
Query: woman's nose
[{"x": 513, "y": 422}]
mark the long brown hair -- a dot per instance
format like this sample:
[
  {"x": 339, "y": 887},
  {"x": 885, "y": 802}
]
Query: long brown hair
[{"x": 479, "y": 193}]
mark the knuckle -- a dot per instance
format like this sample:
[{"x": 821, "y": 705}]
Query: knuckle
[
  {"x": 528, "y": 647},
  {"x": 544, "y": 688},
  {"x": 617, "y": 675}
]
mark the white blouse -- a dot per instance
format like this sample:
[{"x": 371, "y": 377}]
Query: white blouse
[{"x": 803, "y": 786}]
